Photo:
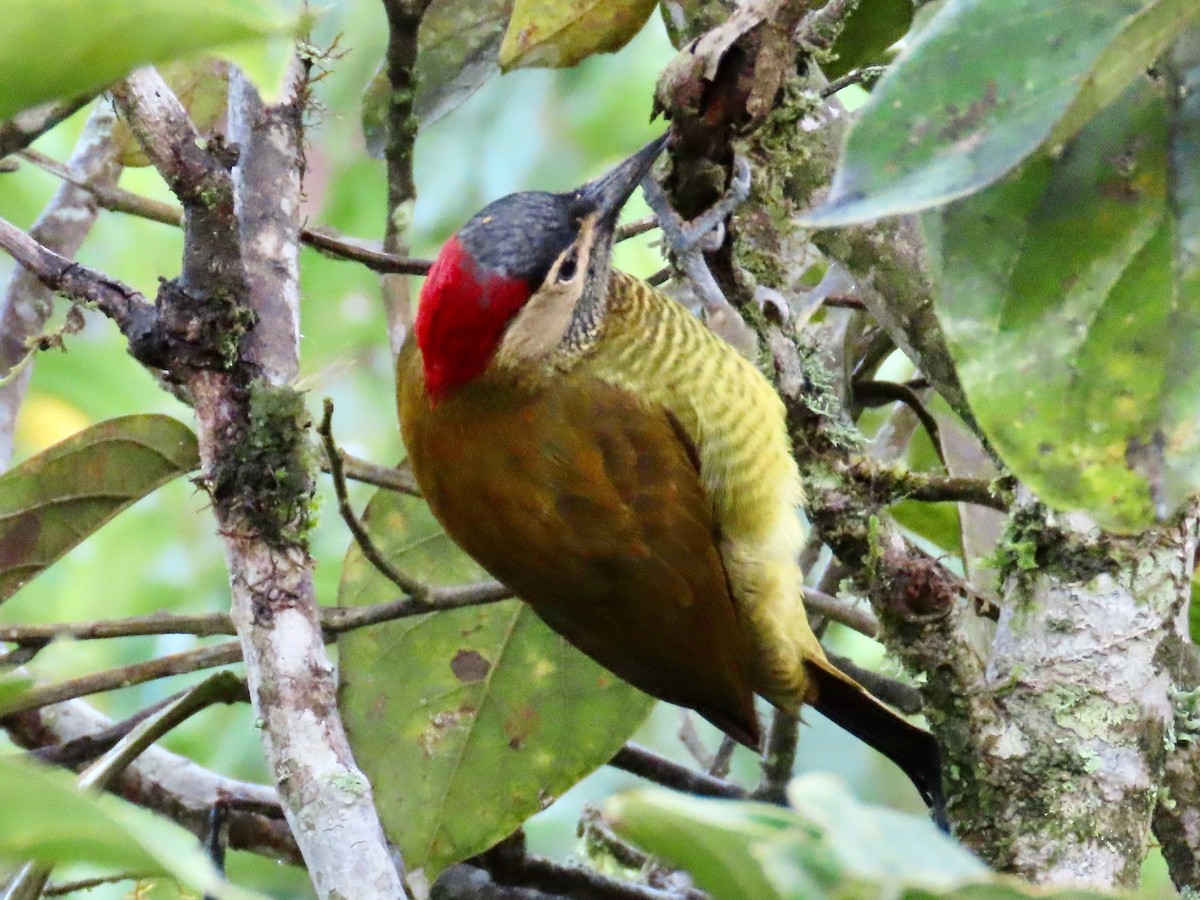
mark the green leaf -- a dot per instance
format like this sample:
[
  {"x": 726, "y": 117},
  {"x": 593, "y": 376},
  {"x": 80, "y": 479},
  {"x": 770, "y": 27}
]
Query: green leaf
[
  {"x": 60, "y": 824},
  {"x": 724, "y": 845},
  {"x": 457, "y": 47},
  {"x": 560, "y": 33},
  {"x": 1074, "y": 342},
  {"x": 829, "y": 845},
  {"x": 873, "y": 27},
  {"x": 1183, "y": 190},
  {"x": 467, "y": 721},
  {"x": 983, "y": 86},
  {"x": 938, "y": 523},
  {"x": 62, "y": 48},
  {"x": 459, "y": 42},
  {"x": 54, "y": 500}
]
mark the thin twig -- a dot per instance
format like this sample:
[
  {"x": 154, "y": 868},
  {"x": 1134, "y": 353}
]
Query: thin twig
[
  {"x": 647, "y": 764},
  {"x": 902, "y": 696},
  {"x": 107, "y": 196},
  {"x": 690, "y": 739},
  {"x": 895, "y": 484},
  {"x": 30, "y": 124},
  {"x": 125, "y": 676},
  {"x": 321, "y": 238},
  {"x": 779, "y": 758},
  {"x": 865, "y": 75},
  {"x": 62, "y": 888},
  {"x": 842, "y": 301},
  {"x": 404, "y": 23},
  {"x": 509, "y": 863},
  {"x": 100, "y": 629},
  {"x": 223, "y": 687},
  {"x": 659, "y": 278},
  {"x": 634, "y": 228},
  {"x": 78, "y": 752},
  {"x": 879, "y": 393},
  {"x": 398, "y": 479},
  {"x": 860, "y": 620},
  {"x": 415, "y": 588},
  {"x": 593, "y": 830},
  {"x": 334, "y": 619},
  {"x": 719, "y": 768},
  {"x": 121, "y": 303},
  {"x": 368, "y": 253}
]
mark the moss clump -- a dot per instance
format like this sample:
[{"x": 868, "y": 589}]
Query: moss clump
[
  {"x": 1033, "y": 541},
  {"x": 267, "y": 474},
  {"x": 821, "y": 398}
]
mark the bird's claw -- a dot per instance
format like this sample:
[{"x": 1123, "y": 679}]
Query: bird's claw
[
  {"x": 681, "y": 235},
  {"x": 690, "y": 240}
]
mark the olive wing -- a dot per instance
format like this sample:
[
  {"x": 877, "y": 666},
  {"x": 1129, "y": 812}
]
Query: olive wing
[{"x": 587, "y": 502}]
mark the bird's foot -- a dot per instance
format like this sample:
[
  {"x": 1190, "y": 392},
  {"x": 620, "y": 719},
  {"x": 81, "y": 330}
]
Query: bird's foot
[{"x": 689, "y": 240}]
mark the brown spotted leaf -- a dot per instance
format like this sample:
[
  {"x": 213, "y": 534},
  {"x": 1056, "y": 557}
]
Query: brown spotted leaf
[
  {"x": 560, "y": 33},
  {"x": 51, "y": 502},
  {"x": 467, "y": 721}
]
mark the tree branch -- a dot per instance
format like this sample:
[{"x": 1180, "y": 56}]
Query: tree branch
[
  {"x": 61, "y": 228},
  {"x": 130, "y": 311},
  {"x": 779, "y": 758},
  {"x": 334, "y": 619},
  {"x": 320, "y": 238},
  {"x": 124, "y": 676},
  {"x": 253, "y": 450},
  {"x": 647, "y": 764},
  {"x": 30, "y": 124},
  {"x": 400, "y": 479},
  {"x": 888, "y": 484},
  {"x": 404, "y": 21},
  {"x": 411, "y": 586},
  {"x": 831, "y": 608},
  {"x": 509, "y": 863}
]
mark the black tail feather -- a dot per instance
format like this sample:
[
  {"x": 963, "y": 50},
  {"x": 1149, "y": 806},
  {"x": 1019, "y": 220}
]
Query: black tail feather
[{"x": 914, "y": 750}]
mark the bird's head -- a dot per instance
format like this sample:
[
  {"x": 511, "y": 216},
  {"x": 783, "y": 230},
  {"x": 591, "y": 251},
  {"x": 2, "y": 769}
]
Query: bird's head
[{"x": 524, "y": 278}]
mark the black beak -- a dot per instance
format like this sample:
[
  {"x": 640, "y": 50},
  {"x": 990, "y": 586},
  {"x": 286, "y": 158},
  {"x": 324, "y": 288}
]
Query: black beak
[{"x": 608, "y": 193}]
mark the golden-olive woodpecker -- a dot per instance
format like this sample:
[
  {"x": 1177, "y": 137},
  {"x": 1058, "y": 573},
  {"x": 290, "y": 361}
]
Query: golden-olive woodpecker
[{"x": 626, "y": 472}]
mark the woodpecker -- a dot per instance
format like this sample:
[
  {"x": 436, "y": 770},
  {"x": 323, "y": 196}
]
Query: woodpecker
[{"x": 622, "y": 469}]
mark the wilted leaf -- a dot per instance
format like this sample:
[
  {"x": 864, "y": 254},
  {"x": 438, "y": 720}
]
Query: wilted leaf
[
  {"x": 560, "y": 33},
  {"x": 58, "y": 823},
  {"x": 54, "y": 500},
  {"x": 982, "y": 87},
  {"x": 468, "y": 721},
  {"x": 873, "y": 27},
  {"x": 1074, "y": 338},
  {"x": 66, "y": 47}
]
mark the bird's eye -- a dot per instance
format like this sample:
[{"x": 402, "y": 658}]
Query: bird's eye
[{"x": 566, "y": 269}]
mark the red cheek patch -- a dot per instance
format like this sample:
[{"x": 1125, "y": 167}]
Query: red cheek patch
[{"x": 463, "y": 312}]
